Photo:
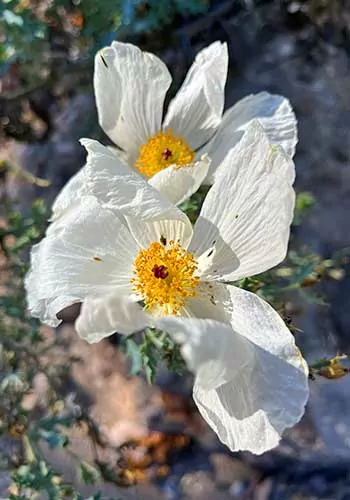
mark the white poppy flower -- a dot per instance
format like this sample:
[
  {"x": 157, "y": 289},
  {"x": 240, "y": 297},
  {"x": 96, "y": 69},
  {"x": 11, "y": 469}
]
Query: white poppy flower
[
  {"x": 129, "y": 240},
  {"x": 130, "y": 88},
  {"x": 251, "y": 382},
  {"x": 128, "y": 244}
]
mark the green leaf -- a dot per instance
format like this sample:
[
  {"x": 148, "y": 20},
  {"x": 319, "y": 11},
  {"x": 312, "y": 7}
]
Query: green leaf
[
  {"x": 11, "y": 18},
  {"x": 149, "y": 359},
  {"x": 132, "y": 350},
  {"x": 303, "y": 203},
  {"x": 54, "y": 438},
  {"x": 87, "y": 473}
]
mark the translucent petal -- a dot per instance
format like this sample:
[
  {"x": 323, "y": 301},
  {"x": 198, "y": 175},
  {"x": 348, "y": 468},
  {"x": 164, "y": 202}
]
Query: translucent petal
[
  {"x": 250, "y": 206},
  {"x": 130, "y": 86},
  {"x": 102, "y": 316},
  {"x": 163, "y": 231},
  {"x": 91, "y": 254},
  {"x": 121, "y": 189},
  {"x": 211, "y": 349},
  {"x": 69, "y": 195},
  {"x": 179, "y": 183},
  {"x": 275, "y": 114},
  {"x": 195, "y": 112},
  {"x": 251, "y": 411}
]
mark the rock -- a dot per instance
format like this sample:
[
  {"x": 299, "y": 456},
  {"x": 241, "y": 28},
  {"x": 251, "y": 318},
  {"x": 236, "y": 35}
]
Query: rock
[
  {"x": 198, "y": 485},
  {"x": 330, "y": 407},
  {"x": 230, "y": 471},
  {"x": 56, "y": 159},
  {"x": 122, "y": 405}
]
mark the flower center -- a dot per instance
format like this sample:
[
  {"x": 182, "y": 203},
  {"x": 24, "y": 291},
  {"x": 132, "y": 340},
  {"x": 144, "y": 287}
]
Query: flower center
[
  {"x": 161, "y": 151},
  {"x": 165, "y": 276},
  {"x": 160, "y": 272}
]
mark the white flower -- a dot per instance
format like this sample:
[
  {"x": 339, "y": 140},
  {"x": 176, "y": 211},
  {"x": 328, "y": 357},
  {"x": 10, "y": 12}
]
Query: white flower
[
  {"x": 127, "y": 243},
  {"x": 129, "y": 240},
  {"x": 130, "y": 88}
]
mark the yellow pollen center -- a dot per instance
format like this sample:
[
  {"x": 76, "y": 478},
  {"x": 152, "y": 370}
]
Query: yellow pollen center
[
  {"x": 161, "y": 151},
  {"x": 165, "y": 277}
]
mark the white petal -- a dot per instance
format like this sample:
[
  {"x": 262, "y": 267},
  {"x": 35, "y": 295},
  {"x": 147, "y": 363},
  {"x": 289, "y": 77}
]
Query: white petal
[
  {"x": 69, "y": 195},
  {"x": 162, "y": 231},
  {"x": 251, "y": 411},
  {"x": 76, "y": 188},
  {"x": 275, "y": 114},
  {"x": 179, "y": 183},
  {"x": 216, "y": 259},
  {"x": 120, "y": 189},
  {"x": 211, "y": 349},
  {"x": 208, "y": 302},
  {"x": 130, "y": 86},
  {"x": 119, "y": 153},
  {"x": 91, "y": 254},
  {"x": 196, "y": 111},
  {"x": 44, "y": 309},
  {"x": 103, "y": 316},
  {"x": 251, "y": 206}
]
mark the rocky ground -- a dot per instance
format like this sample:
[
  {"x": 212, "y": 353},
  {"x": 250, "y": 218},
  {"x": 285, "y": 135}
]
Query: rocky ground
[{"x": 314, "y": 459}]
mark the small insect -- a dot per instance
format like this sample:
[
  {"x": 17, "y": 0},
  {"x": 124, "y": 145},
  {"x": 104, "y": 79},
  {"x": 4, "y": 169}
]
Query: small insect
[
  {"x": 288, "y": 320},
  {"x": 212, "y": 249},
  {"x": 104, "y": 61},
  {"x": 162, "y": 240},
  {"x": 97, "y": 259}
]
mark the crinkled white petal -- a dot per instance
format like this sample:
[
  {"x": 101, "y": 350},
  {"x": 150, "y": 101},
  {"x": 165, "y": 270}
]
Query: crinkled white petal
[
  {"x": 250, "y": 205},
  {"x": 47, "y": 310},
  {"x": 70, "y": 194},
  {"x": 43, "y": 308},
  {"x": 162, "y": 231},
  {"x": 76, "y": 188},
  {"x": 275, "y": 114},
  {"x": 108, "y": 89},
  {"x": 179, "y": 183},
  {"x": 91, "y": 254},
  {"x": 102, "y": 316},
  {"x": 121, "y": 189},
  {"x": 195, "y": 112},
  {"x": 251, "y": 411},
  {"x": 130, "y": 86},
  {"x": 211, "y": 349}
]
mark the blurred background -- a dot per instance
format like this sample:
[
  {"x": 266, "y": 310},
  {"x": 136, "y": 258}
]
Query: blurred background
[{"x": 67, "y": 409}]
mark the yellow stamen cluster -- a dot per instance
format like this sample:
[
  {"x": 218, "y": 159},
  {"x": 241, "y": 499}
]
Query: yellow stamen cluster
[
  {"x": 165, "y": 277},
  {"x": 161, "y": 151}
]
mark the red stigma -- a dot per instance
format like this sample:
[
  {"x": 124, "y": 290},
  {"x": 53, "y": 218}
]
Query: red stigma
[
  {"x": 167, "y": 154},
  {"x": 160, "y": 272}
]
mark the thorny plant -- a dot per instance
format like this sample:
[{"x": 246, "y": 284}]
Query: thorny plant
[
  {"x": 41, "y": 34},
  {"x": 24, "y": 350}
]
